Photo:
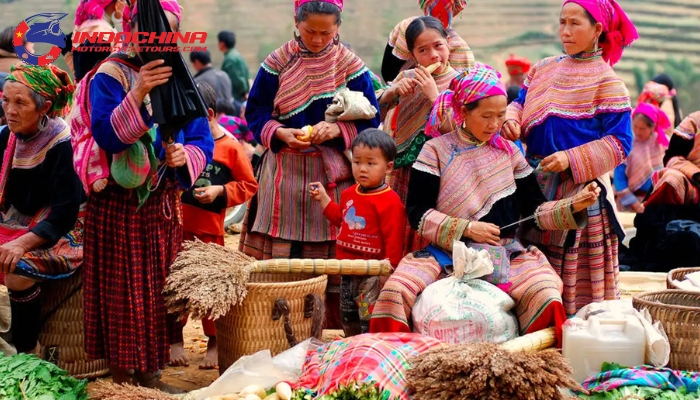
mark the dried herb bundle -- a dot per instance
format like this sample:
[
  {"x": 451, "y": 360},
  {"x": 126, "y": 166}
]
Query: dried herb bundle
[
  {"x": 206, "y": 280},
  {"x": 111, "y": 391},
  {"x": 486, "y": 371}
]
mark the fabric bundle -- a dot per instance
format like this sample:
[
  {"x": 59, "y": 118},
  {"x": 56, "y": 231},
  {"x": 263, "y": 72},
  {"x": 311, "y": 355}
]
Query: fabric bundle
[{"x": 177, "y": 101}]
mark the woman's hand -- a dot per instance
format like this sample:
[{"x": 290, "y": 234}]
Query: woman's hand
[
  {"x": 557, "y": 162},
  {"x": 150, "y": 76},
  {"x": 426, "y": 83},
  {"x": 403, "y": 87},
  {"x": 638, "y": 207},
  {"x": 289, "y": 136},
  {"x": 207, "y": 195},
  {"x": 175, "y": 155},
  {"x": 511, "y": 130},
  {"x": 484, "y": 232},
  {"x": 585, "y": 198},
  {"x": 324, "y": 131},
  {"x": 10, "y": 254},
  {"x": 318, "y": 193}
]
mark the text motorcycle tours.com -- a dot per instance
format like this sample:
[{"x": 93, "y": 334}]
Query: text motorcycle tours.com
[{"x": 141, "y": 41}]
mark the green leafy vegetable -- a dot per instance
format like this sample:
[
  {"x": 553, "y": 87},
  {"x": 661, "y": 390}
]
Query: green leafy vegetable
[
  {"x": 350, "y": 391},
  {"x": 24, "y": 376},
  {"x": 642, "y": 392}
]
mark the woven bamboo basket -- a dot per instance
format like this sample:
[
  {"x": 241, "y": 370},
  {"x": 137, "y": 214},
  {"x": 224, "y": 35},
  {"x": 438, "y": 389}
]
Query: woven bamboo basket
[
  {"x": 679, "y": 313},
  {"x": 62, "y": 333},
  {"x": 678, "y": 274},
  {"x": 280, "y": 310}
]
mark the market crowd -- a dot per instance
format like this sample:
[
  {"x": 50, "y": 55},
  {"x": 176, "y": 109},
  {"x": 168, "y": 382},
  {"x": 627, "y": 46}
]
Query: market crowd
[{"x": 446, "y": 152}]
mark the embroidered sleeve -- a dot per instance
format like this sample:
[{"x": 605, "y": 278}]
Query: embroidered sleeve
[
  {"x": 557, "y": 216},
  {"x": 515, "y": 109},
  {"x": 593, "y": 159},
  {"x": 689, "y": 127},
  {"x": 259, "y": 110},
  {"x": 521, "y": 168},
  {"x": 199, "y": 150},
  {"x": 441, "y": 229},
  {"x": 690, "y": 170},
  {"x": 428, "y": 160}
]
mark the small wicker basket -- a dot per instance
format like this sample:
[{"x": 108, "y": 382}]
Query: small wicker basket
[
  {"x": 275, "y": 315},
  {"x": 62, "y": 333},
  {"x": 678, "y": 274},
  {"x": 679, "y": 313}
]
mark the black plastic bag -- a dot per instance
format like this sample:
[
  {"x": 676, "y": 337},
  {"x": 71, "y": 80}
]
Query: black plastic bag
[{"x": 177, "y": 101}]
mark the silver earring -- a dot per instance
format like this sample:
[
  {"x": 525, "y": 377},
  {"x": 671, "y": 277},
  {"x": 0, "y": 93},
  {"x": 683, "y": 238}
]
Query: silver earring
[
  {"x": 43, "y": 123},
  {"x": 297, "y": 35},
  {"x": 595, "y": 44}
]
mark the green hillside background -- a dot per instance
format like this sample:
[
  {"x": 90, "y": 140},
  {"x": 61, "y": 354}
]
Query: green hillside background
[{"x": 669, "y": 30}]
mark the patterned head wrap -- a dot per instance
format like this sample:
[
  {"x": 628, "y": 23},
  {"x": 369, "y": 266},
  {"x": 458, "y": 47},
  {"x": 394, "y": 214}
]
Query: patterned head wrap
[
  {"x": 518, "y": 65},
  {"x": 50, "y": 81},
  {"x": 90, "y": 9},
  {"x": 619, "y": 29},
  {"x": 655, "y": 93},
  {"x": 443, "y": 10},
  {"x": 658, "y": 117},
  {"x": 299, "y": 3},
  {"x": 470, "y": 86},
  {"x": 168, "y": 5}
]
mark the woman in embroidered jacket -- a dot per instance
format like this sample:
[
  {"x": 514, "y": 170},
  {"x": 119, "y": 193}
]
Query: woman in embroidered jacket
[
  {"x": 574, "y": 116},
  {"x": 633, "y": 178},
  {"x": 468, "y": 184},
  {"x": 397, "y": 55},
  {"x": 133, "y": 234},
  {"x": 41, "y": 224},
  {"x": 293, "y": 89},
  {"x": 679, "y": 182}
]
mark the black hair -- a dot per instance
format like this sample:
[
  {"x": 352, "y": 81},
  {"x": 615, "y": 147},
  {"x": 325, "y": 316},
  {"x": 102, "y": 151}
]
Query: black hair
[
  {"x": 666, "y": 80},
  {"x": 419, "y": 25},
  {"x": 208, "y": 95},
  {"x": 375, "y": 138},
  {"x": 646, "y": 120},
  {"x": 513, "y": 93},
  {"x": 6, "y": 39},
  {"x": 226, "y": 107},
  {"x": 203, "y": 57},
  {"x": 228, "y": 38},
  {"x": 603, "y": 35},
  {"x": 319, "y": 7}
]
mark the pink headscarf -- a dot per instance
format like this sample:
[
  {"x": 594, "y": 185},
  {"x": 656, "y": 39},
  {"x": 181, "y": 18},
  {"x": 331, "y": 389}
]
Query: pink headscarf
[
  {"x": 619, "y": 29},
  {"x": 90, "y": 9},
  {"x": 658, "y": 117},
  {"x": 471, "y": 85},
  {"x": 168, "y": 5},
  {"x": 299, "y": 3}
]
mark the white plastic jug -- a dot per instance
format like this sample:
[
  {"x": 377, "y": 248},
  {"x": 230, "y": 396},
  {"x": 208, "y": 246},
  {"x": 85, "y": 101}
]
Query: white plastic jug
[{"x": 610, "y": 337}]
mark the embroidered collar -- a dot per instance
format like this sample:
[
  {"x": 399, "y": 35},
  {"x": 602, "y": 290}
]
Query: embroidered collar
[
  {"x": 469, "y": 137},
  {"x": 586, "y": 55},
  {"x": 304, "y": 52}
]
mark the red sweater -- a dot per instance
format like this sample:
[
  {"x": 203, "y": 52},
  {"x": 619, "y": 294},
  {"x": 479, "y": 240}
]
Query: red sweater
[
  {"x": 372, "y": 225},
  {"x": 230, "y": 168}
]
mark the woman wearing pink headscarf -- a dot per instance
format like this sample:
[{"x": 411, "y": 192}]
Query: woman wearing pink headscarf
[
  {"x": 574, "y": 114},
  {"x": 633, "y": 177}
]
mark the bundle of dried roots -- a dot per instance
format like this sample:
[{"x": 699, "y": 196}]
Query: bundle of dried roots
[
  {"x": 206, "y": 280},
  {"x": 486, "y": 371},
  {"x": 110, "y": 391}
]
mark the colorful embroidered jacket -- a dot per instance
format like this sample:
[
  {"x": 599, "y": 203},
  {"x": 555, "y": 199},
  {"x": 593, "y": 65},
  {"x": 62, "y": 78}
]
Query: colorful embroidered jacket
[
  {"x": 455, "y": 180},
  {"x": 635, "y": 174},
  {"x": 118, "y": 122},
  {"x": 293, "y": 89}
]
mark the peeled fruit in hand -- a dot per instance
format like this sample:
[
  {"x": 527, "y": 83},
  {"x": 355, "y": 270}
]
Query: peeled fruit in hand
[
  {"x": 308, "y": 130},
  {"x": 284, "y": 391},
  {"x": 253, "y": 389},
  {"x": 430, "y": 68}
]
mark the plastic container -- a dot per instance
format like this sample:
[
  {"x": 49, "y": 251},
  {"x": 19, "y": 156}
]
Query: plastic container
[{"x": 610, "y": 337}]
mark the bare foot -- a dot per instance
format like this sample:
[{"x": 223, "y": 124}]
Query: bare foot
[
  {"x": 211, "y": 360},
  {"x": 99, "y": 185},
  {"x": 178, "y": 358}
]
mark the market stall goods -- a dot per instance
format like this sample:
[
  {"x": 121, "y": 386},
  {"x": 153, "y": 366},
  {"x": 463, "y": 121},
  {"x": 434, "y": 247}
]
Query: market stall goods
[
  {"x": 484, "y": 371},
  {"x": 24, "y": 376},
  {"x": 111, "y": 391}
]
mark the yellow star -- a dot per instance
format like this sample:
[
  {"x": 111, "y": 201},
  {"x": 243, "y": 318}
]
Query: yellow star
[{"x": 19, "y": 34}]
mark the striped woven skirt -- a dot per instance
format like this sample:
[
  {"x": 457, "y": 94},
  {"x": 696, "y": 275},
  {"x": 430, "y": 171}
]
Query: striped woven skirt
[{"x": 128, "y": 253}]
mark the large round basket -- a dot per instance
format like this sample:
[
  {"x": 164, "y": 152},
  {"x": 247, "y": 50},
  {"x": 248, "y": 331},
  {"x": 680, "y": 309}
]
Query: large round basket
[
  {"x": 275, "y": 305},
  {"x": 679, "y": 313},
  {"x": 62, "y": 333},
  {"x": 678, "y": 274}
]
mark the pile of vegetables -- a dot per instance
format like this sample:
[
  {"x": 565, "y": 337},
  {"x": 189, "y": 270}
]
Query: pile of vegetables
[
  {"x": 350, "y": 391},
  {"x": 254, "y": 392},
  {"x": 24, "y": 376}
]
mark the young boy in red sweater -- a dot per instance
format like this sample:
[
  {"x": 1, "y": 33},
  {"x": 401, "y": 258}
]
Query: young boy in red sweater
[
  {"x": 372, "y": 223},
  {"x": 227, "y": 182}
]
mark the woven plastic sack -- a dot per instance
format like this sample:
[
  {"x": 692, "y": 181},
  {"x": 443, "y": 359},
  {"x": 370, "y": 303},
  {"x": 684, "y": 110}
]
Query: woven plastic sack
[
  {"x": 349, "y": 105},
  {"x": 5, "y": 320}
]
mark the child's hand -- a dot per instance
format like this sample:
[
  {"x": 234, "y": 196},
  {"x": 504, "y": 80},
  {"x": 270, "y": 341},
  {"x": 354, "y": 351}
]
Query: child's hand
[
  {"x": 208, "y": 194},
  {"x": 403, "y": 87},
  {"x": 426, "y": 83},
  {"x": 318, "y": 193}
]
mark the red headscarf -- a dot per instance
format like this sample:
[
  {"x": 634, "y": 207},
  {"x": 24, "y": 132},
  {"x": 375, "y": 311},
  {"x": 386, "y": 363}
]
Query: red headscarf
[
  {"x": 619, "y": 29},
  {"x": 517, "y": 65},
  {"x": 299, "y": 3}
]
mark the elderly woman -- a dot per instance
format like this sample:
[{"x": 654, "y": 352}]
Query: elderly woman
[
  {"x": 397, "y": 55},
  {"x": 473, "y": 186},
  {"x": 94, "y": 16},
  {"x": 41, "y": 229},
  {"x": 580, "y": 95},
  {"x": 293, "y": 89},
  {"x": 134, "y": 232}
]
